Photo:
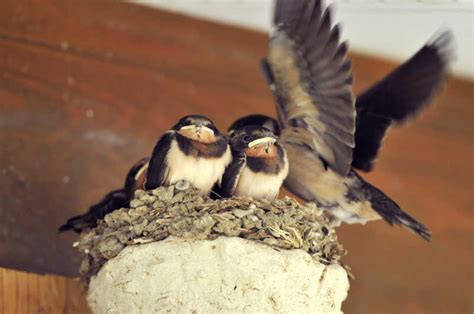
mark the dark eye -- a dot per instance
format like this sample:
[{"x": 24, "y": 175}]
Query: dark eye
[
  {"x": 247, "y": 138},
  {"x": 183, "y": 122}
]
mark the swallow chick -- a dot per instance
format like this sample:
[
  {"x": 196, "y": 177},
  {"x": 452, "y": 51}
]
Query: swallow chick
[
  {"x": 193, "y": 150},
  {"x": 259, "y": 165},
  {"x": 326, "y": 131},
  {"x": 113, "y": 200},
  {"x": 256, "y": 119}
]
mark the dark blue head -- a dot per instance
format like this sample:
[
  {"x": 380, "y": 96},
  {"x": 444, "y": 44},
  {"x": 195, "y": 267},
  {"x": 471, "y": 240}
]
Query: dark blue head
[
  {"x": 253, "y": 141},
  {"x": 198, "y": 128},
  {"x": 257, "y": 120}
]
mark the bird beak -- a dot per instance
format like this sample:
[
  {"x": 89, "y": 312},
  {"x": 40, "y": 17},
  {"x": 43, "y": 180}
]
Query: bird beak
[
  {"x": 198, "y": 129},
  {"x": 204, "y": 130},
  {"x": 264, "y": 141},
  {"x": 198, "y": 132}
]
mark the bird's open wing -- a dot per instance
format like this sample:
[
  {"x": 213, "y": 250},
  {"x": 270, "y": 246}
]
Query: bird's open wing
[
  {"x": 157, "y": 168},
  {"x": 398, "y": 96},
  {"x": 312, "y": 81}
]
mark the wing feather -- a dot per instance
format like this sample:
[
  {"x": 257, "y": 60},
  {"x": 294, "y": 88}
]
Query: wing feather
[
  {"x": 312, "y": 81},
  {"x": 112, "y": 201},
  {"x": 231, "y": 176},
  {"x": 158, "y": 169},
  {"x": 130, "y": 181},
  {"x": 399, "y": 96}
]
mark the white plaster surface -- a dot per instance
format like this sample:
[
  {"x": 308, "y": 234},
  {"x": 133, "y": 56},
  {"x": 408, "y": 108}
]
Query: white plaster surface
[{"x": 226, "y": 275}]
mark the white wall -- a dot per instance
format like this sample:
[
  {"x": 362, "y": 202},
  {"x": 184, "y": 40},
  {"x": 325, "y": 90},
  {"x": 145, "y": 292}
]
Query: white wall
[{"x": 394, "y": 29}]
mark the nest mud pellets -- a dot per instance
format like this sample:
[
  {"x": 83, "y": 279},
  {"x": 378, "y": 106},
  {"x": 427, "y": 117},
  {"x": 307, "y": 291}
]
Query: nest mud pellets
[{"x": 179, "y": 211}]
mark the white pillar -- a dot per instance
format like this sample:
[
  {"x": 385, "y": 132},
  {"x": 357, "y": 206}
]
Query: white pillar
[{"x": 226, "y": 275}]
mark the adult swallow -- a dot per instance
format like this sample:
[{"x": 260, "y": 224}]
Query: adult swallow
[
  {"x": 326, "y": 131},
  {"x": 113, "y": 200},
  {"x": 259, "y": 164},
  {"x": 193, "y": 150}
]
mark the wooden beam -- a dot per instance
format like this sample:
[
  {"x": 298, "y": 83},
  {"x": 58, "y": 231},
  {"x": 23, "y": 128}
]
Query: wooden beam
[{"x": 22, "y": 292}]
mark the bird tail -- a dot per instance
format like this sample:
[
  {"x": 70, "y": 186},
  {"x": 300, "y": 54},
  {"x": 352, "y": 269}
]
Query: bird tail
[
  {"x": 76, "y": 223},
  {"x": 393, "y": 214},
  {"x": 112, "y": 201}
]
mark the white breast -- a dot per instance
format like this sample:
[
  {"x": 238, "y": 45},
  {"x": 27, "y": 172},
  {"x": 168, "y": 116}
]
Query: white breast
[
  {"x": 201, "y": 172},
  {"x": 261, "y": 185}
]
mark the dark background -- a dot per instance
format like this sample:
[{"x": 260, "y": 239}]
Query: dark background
[{"x": 86, "y": 88}]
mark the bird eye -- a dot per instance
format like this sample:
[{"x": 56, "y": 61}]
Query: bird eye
[{"x": 247, "y": 138}]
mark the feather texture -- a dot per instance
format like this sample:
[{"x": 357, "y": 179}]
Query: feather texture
[
  {"x": 232, "y": 174},
  {"x": 312, "y": 81},
  {"x": 399, "y": 96},
  {"x": 158, "y": 169},
  {"x": 113, "y": 200}
]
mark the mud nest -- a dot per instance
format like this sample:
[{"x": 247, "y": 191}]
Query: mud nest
[{"x": 180, "y": 211}]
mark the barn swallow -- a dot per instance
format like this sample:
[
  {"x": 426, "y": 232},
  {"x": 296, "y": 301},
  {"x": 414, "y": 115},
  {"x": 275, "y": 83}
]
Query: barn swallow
[
  {"x": 256, "y": 119},
  {"x": 113, "y": 200},
  {"x": 259, "y": 164},
  {"x": 193, "y": 150},
  {"x": 326, "y": 131}
]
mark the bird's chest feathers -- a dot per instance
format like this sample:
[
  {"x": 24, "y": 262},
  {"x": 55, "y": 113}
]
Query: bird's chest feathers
[
  {"x": 201, "y": 172},
  {"x": 272, "y": 162},
  {"x": 261, "y": 184}
]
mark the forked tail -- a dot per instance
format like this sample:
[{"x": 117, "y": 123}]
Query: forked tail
[
  {"x": 112, "y": 201},
  {"x": 392, "y": 213}
]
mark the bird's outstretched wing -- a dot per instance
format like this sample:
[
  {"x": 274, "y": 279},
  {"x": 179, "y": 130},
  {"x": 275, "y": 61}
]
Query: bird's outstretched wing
[
  {"x": 312, "y": 81},
  {"x": 399, "y": 96},
  {"x": 157, "y": 168}
]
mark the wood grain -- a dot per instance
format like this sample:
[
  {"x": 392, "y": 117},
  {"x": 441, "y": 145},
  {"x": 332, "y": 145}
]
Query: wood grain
[
  {"x": 22, "y": 292},
  {"x": 86, "y": 88}
]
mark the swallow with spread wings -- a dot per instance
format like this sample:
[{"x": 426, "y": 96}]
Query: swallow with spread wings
[{"x": 327, "y": 131}]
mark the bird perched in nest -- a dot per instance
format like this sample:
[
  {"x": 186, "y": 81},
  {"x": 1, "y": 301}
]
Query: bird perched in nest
[
  {"x": 259, "y": 164},
  {"x": 326, "y": 131},
  {"x": 193, "y": 150}
]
